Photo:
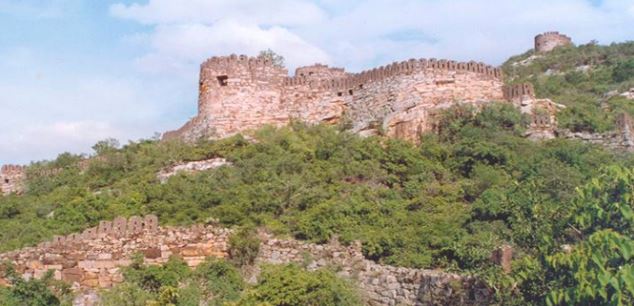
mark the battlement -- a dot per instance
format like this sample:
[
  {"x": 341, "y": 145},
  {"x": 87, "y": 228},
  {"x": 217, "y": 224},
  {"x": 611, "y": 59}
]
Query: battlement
[
  {"x": 12, "y": 169},
  {"x": 395, "y": 69},
  {"x": 517, "y": 92},
  {"x": 119, "y": 227},
  {"x": 239, "y": 93},
  {"x": 548, "y": 41}
]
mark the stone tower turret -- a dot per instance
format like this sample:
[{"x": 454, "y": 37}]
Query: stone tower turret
[{"x": 548, "y": 41}]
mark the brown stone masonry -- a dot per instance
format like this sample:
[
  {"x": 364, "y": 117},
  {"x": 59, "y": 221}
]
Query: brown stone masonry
[
  {"x": 548, "y": 41},
  {"x": 239, "y": 93},
  {"x": 12, "y": 179},
  {"x": 93, "y": 259}
]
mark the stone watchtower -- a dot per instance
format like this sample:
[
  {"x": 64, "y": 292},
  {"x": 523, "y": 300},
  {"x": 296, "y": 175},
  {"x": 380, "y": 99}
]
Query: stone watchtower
[
  {"x": 12, "y": 179},
  {"x": 548, "y": 41}
]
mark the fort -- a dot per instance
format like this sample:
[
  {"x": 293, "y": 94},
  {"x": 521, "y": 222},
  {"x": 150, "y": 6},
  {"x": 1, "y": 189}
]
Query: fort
[
  {"x": 548, "y": 41},
  {"x": 239, "y": 93}
]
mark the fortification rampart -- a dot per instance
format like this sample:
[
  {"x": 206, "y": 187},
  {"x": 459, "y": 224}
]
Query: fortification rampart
[
  {"x": 12, "y": 179},
  {"x": 93, "y": 259},
  {"x": 548, "y": 41},
  {"x": 518, "y": 92},
  {"x": 239, "y": 93}
]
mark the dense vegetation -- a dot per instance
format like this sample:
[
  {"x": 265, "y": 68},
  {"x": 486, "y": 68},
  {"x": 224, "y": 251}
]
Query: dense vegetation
[
  {"x": 586, "y": 79},
  {"x": 565, "y": 207}
]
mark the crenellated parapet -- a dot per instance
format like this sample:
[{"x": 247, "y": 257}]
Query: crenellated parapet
[
  {"x": 394, "y": 70},
  {"x": 240, "y": 93},
  {"x": 517, "y": 92},
  {"x": 548, "y": 41},
  {"x": 119, "y": 227}
]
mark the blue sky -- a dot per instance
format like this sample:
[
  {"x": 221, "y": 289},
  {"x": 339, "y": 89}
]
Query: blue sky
[{"x": 73, "y": 72}]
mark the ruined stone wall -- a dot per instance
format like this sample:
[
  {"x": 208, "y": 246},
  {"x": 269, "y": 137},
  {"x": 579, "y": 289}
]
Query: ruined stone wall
[
  {"x": 239, "y": 93},
  {"x": 621, "y": 139},
  {"x": 379, "y": 284},
  {"x": 93, "y": 259},
  {"x": 548, "y": 41},
  {"x": 518, "y": 92},
  {"x": 12, "y": 179}
]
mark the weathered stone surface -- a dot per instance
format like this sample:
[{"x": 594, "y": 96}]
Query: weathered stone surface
[
  {"x": 193, "y": 166},
  {"x": 12, "y": 179},
  {"x": 238, "y": 93},
  {"x": 380, "y": 284},
  {"x": 93, "y": 260},
  {"x": 548, "y": 41},
  {"x": 628, "y": 94},
  {"x": 94, "y": 263},
  {"x": 621, "y": 139}
]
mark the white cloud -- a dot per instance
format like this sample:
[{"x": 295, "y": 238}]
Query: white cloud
[
  {"x": 281, "y": 12},
  {"x": 361, "y": 34},
  {"x": 177, "y": 47},
  {"x": 45, "y": 141}
]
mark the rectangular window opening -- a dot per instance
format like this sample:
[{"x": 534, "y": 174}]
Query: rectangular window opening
[{"x": 223, "y": 80}]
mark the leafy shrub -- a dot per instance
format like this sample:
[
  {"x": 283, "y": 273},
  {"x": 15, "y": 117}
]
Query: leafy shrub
[
  {"x": 33, "y": 292},
  {"x": 291, "y": 285},
  {"x": 623, "y": 71},
  {"x": 244, "y": 246}
]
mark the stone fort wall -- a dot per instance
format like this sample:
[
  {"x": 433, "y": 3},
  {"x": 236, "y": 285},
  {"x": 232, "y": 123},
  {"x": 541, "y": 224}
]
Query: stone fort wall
[
  {"x": 93, "y": 259},
  {"x": 12, "y": 179},
  {"x": 239, "y": 93},
  {"x": 548, "y": 41}
]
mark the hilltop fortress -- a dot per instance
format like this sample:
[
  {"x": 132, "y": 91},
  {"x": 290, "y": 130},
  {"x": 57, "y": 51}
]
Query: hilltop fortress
[{"x": 239, "y": 93}]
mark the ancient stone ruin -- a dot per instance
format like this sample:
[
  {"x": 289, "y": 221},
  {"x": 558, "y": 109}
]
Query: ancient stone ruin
[
  {"x": 93, "y": 259},
  {"x": 620, "y": 139},
  {"x": 542, "y": 113},
  {"x": 12, "y": 179},
  {"x": 239, "y": 93},
  {"x": 548, "y": 41}
]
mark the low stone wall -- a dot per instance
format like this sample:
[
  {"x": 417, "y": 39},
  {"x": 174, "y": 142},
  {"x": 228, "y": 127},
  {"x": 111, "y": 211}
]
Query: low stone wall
[
  {"x": 618, "y": 140},
  {"x": 379, "y": 284},
  {"x": 93, "y": 259}
]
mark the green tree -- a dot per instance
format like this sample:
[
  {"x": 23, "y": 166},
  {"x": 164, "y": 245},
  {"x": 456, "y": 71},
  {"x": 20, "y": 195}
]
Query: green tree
[
  {"x": 271, "y": 56},
  {"x": 292, "y": 285}
]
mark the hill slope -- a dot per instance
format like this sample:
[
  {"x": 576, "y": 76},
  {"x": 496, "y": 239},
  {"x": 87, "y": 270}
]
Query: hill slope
[{"x": 447, "y": 203}]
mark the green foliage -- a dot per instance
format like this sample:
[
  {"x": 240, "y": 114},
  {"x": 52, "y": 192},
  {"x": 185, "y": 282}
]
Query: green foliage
[
  {"x": 271, "y": 56},
  {"x": 220, "y": 279},
  {"x": 244, "y": 246},
  {"x": 580, "y": 78},
  {"x": 601, "y": 266},
  {"x": 213, "y": 282},
  {"x": 446, "y": 203},
  {"x": 291, "y": 285},
  {"x": 33, "y": 292},
  {"x": 623, "y": 71}
]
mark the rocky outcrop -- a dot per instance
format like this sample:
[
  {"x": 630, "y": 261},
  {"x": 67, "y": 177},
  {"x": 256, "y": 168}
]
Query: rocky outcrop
[
  {"x": 192, "y": 166},
  {"x": 628, "y": 94}
]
